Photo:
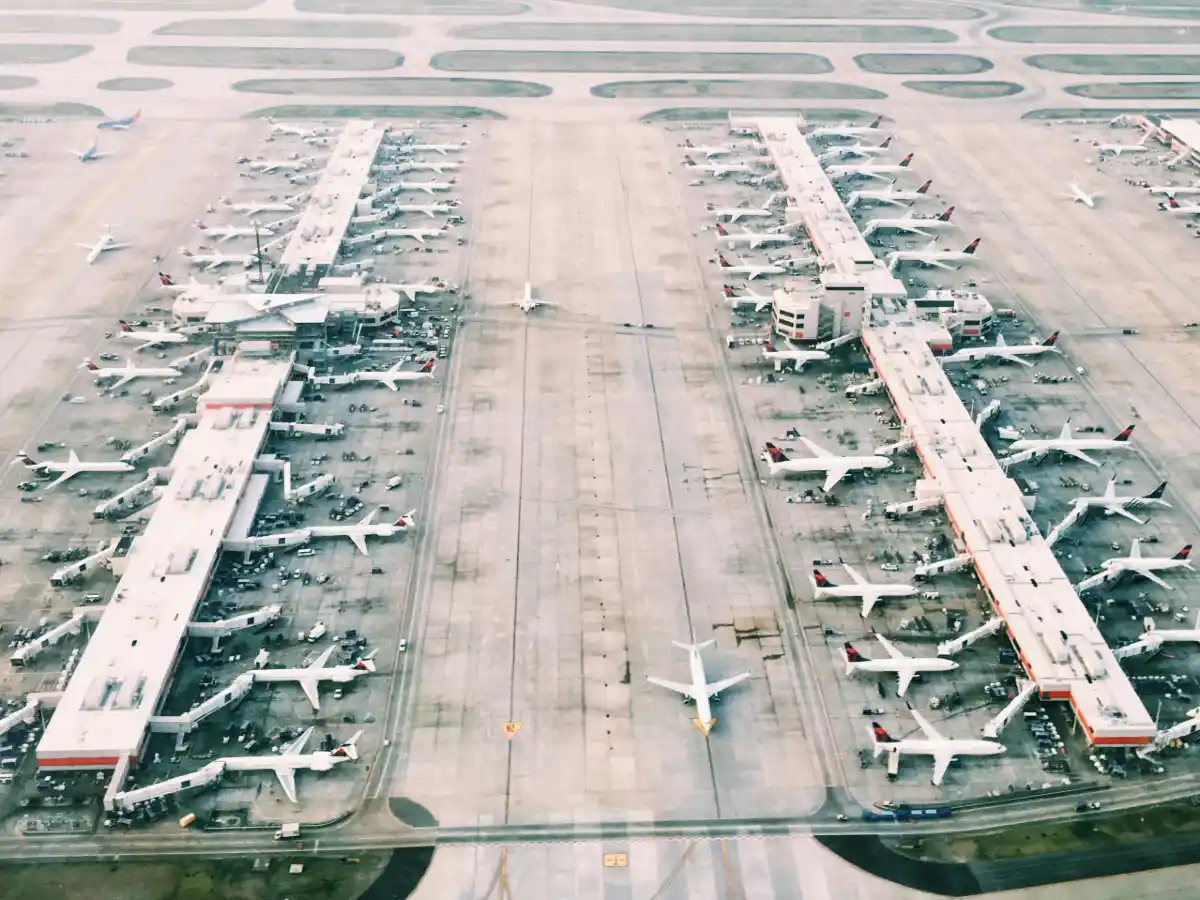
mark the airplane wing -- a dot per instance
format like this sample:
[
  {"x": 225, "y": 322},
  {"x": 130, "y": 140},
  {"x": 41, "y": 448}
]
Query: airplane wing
[
  {"x": 287, "y": 780},
  {"x": 906, "y": 677},
  {"x": 297, "y": 745},
  {"x": 930, "y": 732},
  {"x": 717, "y": 686},
  {"x": 360, "y": 542},
  {"x": 323, "y": 660},
  {"x": 816, "y": 451},
  {"x": 309, "y": 686},
  {"x": 1016, "y": 359},
  {"x": 911, "y": 229},
  {"x": 832, "y": 476},
  {"x": 420, "y": 237},
  {"x": 120, "y": 382},
  {"x": 1122, "y": 511},
  {"x": 1079, "y": 454},
  {"x": 941, "y": 762},
  {"x": 939, "y": 264},
  {"x": 1147, "y": 573},
  {"x": 369, "y": 517},
  {"x": 891, "y": 648},
  {"x": 60, "y": 479},
  {"x": 854, "y": 576},
  {"x": 213, "y": 266},
  {"x": 410, "y": 294},
  {"x": 868, "y": 603},
  {"x": 73, "y": 457},
  {"x": 686, "y": 689}
]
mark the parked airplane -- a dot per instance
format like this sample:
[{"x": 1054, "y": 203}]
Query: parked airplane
[
  {"x": 904, "y": 666},
  {"x": 846, "y": 129},
  {"x": 91, "y": 153},
  {"x": 888, "y": 195},
  {"x": 286, "y": 763},
  {"x": 943, "y": 750},
  {"x": 1175, "y": 208},
  {"x": 753, "y": 239},
  {"x": 793, "y": 354},
  {"x": 1121, "y": 506},
  {"x": 1156, "y": 637},
  {"x": 1136, "y": 564},
  {"x": 750, "y": 270},
  {"x": 870, "y": 594},
  {"x": 296, "y": 130},
  {"x": 428, "y": 187},
  {"x": 150, "y": 337},
  {"x": 929, "y": 255},
  {"x": 1001, "y": 350},
  {"x": 711, "y": 151},
  {"x": 106, "y": 241},
  {"x": 127, "y": 373},
  {"x": 720, "y": 170},
  {"x": 366, "y": 527},
  {"x": 224, "y": 233},
  {"x": 412, "y": 290},
  {"x": 869, "y": 170},
  {"x": 699, "y": 691},
  {"x": 1118, "y": 149},
  {"x": 435, "y": 148},
  {"x": 913, "y": 224},
  {"x": 418, "y": 234},
  {"x": 732, "y": 214},
  {"x": 271, "y": 166},
  {"x": 390, "y": 377},
  {"x": 760, "y": 301},
  {"x": 123, "y": 124},
  {"x": 1075, "y": 447},
  {"x": 1172, "y": 189},
  {"x": 69, "y": 469},
  {"x": 856, "y": 149},
  {"x": 431, "y": 166},
  {"x": 1079, "y": 195},
  {"x": 527, "y": 303},
  {"x": 835, "y": 467},
  {"x": 253, "y": 209},
  {"x": 213, "y": 261},
  {"x": 310, "y": 677},
  {"x": 430, "y": 209}
]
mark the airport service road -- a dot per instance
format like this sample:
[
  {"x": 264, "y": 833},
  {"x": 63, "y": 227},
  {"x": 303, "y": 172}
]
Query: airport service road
[
  {"x": 1090, "y": 272},
  {"x": 591, "y": 509}
]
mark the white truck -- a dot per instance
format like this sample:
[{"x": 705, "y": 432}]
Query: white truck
[{"x": 288, "y": 831}]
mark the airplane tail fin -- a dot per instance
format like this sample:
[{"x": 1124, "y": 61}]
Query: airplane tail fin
[
  {"x": 1157, "y": 493},
  {"x": 1123, "y": 437},
  {"x": 945, "y": 217},
  {"x": 90, "y": 366},
  {"x": 428, "y": 368},
  {"x": 887, "y": 142},
  {"x": 125, "y": 326},
  {"x": 367, "y": 663},
  {"x": 694, "y": 645},
  {"x": 728, "y": 291},
  {"x": 820, "y": 581},
  {"x": 1050, "y": 341},
  {"x": 1172, "y": 203},
  {"x": 878, "y": 121},
  {"x": 924, "y": 189},
  {"x": 853, "y": 657},
  {"x": 1184, "y": 553},
  {"x": 348, "y": 749},
  {"x": 408, "y": 520},
  {"x": 904, "y": 162},
  {"x": 880, "y": 739},
  {"x": 777, "y": 455},
  {"x": 973, "y": 246},
  {"x": 724, "y": 263},
  {"x": 688, "y": 160},
  {"x": 721, "y": 231},
  {"x": 26, "y": 460}
]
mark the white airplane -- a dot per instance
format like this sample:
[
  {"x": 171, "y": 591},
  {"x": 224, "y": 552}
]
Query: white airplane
[
  {"x": 150, "y": 337},
  {"x": 127, "y": 373},
  {"x": 122, "y": 124},
  {"x": 710, "y": 152},
  {"x": 720, "y": 170},
  {"x": 1175, "y": 208},
  {"x": 1001, "y": 350},
  {"x": 430, "y": 209},
  {"x": 106, "y": 241},
  {"x": 750, "y": 270},
  {"x": 930, "y": 255},
  {"x": 1121, "y": 506},
  {"x": 310, "y": 677},
  {"x": 869, "y": 170},
  {"x": 856, "y": 149},
  {"x": 91, "y": 153},
  {"x": 390, "y": 377},
  {"x": 418, "y": 234},
  {"x": 435, "y": 148},
  {"x": 699, "y": 691},
  {"x": 846, "y": 130},
  {"x": 904, "y": 666},
  {"x": 527, "y": 303},
  {"x": 1075, "y": 447},
  {"x": 793, "y": 354},
  {"x": 366, "y": 527},
  {"x": 753, "y": 239},
  {"x": 888, "y": 195},
  {"x": 870, "y": 594},
  {"x": 1172, "y": 189},
  {"x": 912, "y": 224},
  {"x": 271, "y": 166},
  {"x": 253, "y": 209},
  {"x": 411, "y": 290},
  {"x": 69, "y": 469},
  {"x": 835, "y": 467},
  {"x": 431, "y": 166},
  {"x": 286, "y": 763},
  {"x": 224, "y": 233},
  {"x": 760, "y": 301},
  {"x": 1118, "y": 149},
  {"x": 731, "y": 215},
  {"x": 296, "y": 130},
  {"x": 213, "y": 261},
  {"x": 428, "y": 187},
  {"x": 943, "y": 750},
  {"x": 1159, "y": 636},
  {"x": 1079, "y": 195},
  {"x": 1136, "y": 564}
]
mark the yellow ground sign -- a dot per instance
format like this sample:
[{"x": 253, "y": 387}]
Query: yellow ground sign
[
  {"x": 615, "y": 860},
  {"x": 511, "y": 728}
]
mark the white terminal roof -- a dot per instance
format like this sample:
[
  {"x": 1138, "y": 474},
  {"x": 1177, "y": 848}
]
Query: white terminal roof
[
  {"x": 1059, "y": 644},
  {"x": 126, "y": 668},
  {"x": 323, "y": 223},
  {"x": 1186, "y": 131},
  {"x": 284, "y": 311},
  {"x": 845, "y": 257}
]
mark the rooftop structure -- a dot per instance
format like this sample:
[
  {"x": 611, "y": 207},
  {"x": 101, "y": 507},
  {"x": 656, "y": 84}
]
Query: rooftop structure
[
  {"x": 124, "y": 672},
  {"x": 1184, "y": 135},
  {"x": 1059, "y": 644},
  {"x": 318, "y": 234}
]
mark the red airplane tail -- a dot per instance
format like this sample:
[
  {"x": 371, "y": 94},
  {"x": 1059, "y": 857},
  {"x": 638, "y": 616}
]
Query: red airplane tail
[
  {"x": 945, "y": 217},
  {"x": 688, "y": 160},
  {"x": 1184, "y": 553},
  {"x": 721, "y": 231},
  {"x": 877, "y": 122},
  {"x": 887, "y": 142},
  {"x": 820, "y": 580},
  {"x": 973, "y": 246},
  {"x": 125, "y": 326},
  {"x": 91, "y": 366},
  {"x": 724, "y": 263},
  {"x": 1123, "y": 437},
  {"x": 728, "y": 291},
  {"x": 1172, "y": 203},
  {"x": 1050, "y": 341},
  {"x": 852, "y": 655},
  {"x": 904, "y": 162},
  {"x": 776, "y": 454},
  {"x": 880, "y": 734},
  {"x": 428, "y": 367},
  {"x": 924, "y": 189},
  {"x": 26, "y": 461}
]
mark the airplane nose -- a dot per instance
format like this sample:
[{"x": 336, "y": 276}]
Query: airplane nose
[{"x": 1001, "y": 749}]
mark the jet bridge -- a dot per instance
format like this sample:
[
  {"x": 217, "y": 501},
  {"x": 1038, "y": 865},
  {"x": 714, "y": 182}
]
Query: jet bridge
[
  {"x": 960, "y": 643},
  {"x": 1015, "y": 459},
  {"x": 944, "y": 566},
  {"x": 124, "y": 503},
  {"x": 1078, "y": 511},
  {"x": 223, "y": 628},
  {"x": 332, "y": 430},
  {"x": 867, "y": 387},
  {"x": 988, "y": 413},
  {"x": 1161, "y": 740},
  {"x": 170, "y": 401},
  {"x": 72, "y": 572},
  {"x": 206, "y": 775},
  {"x": 27, "y": 714},
  {"x": 171, "y": 436},
  {"x": 183, "y": 725},
  {"x": 997, "y": 724},
  {"x": 30, "y": 651}
]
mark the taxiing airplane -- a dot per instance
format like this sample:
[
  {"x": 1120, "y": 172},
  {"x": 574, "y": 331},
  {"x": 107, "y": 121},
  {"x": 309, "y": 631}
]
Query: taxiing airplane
[
  {"x": 1079, "y": 195},
  {"x": 943, "y": 750},
  {"x": 888, "y": 195},
  {"x": 699, "y": 691},
  {"x": 310, "y": 677},
  {"x": 527, "y": 303},
  {"x": 433, "y": 210},
  {"x": 870, "y": 594},
  {"x": 1001, "y": 350},
  {"x": 881, "y": 171},
  {"x": 366, "y": 527},
  {"x": 731, "y": 215},
  {"x": 418, "y": 234},
  {"x": 291, "y": 759},
  {"x": 750, "y": 270},
  {"x": 922, "y": 225},
  {"x": 720, "y": 170},
  {"x": 760, "y": 301},
  {"x": 753, "y": 239},
  {"x": 1136, "y": 564},
  {"x": 904, "y": 666},
  {"x": 106, "y": 241},
  {"x": 856, "y": 149},
  {"x": 1121, "y": 506},
  {"x": 835, "y": 467},
  {"x": 1175, "y": 208},
  {"x": 1118, "y": 149},
  {"x": 224, "y": 233},
  {"x": 390, "y": 377},
  {"x": 149, "y": 337},
  {"x": 846, "y": 129},
  {"x": 91, "y": 153},
  {"x": 428, "y": 187},
  {"x": 793, "y": 354},
  {"x": 710, "y": 152},
  {"x": 123, "y": 124},
  {"x": 69, "y": 469},
  {"x": 930, "y": 255},
  {"x": 1075, "y": 447},
  {"x": 127, "y": 373},
  {"x": 435, "y": 148},
  {"x": 214, "y": 261}
]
